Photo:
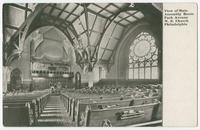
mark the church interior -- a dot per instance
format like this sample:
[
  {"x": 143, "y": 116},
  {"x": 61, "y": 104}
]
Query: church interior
[{"x": 82, "y": 64}]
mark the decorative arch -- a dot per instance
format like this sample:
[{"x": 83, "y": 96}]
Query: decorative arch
[
  {"x": 36, "y": 42},
  {"x": 15, "y": 80},
  {"x": 143, "y": 57},
  {"x": 102, "y": 72},
  {"x": 59, "y": 28},
  {"x": 122, "y": 55},
  {"x": 19, "y": 37},
  {"x": 44, "y": 14},
  {"x": 53, "y": 25},
  {"x": 78, "y": 80}
]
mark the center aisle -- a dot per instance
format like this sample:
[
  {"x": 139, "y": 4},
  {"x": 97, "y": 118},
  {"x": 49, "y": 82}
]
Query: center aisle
[{"x": 54, "y": 113}]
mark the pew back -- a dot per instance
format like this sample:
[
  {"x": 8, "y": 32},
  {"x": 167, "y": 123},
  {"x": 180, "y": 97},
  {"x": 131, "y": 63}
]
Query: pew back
[
  {"x": 17, "y": 116},
  {"x": 121, "y": 116},
  {"x": 81, "y": 106},
  {"x": 23, "y": 110}
]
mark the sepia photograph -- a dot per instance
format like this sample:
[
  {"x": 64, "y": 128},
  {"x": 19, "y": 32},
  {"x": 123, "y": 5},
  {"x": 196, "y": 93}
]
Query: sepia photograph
[{"x": 82, "y": 64}]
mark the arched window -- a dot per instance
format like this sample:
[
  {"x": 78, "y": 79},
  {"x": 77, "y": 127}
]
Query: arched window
[
  {"x": 102, "y": 73},
  {"x": 15, "y": 80},
  {"x": 143, "y": 57}
]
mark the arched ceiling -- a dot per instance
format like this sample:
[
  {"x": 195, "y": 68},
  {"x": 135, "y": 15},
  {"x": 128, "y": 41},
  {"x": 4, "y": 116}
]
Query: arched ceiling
[
  {"x": 50, "y": 45},
  {"x": 98, "y": 26}
]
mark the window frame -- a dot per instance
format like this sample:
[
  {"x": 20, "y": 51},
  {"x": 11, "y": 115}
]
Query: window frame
[{"x": 150, "y": 61}]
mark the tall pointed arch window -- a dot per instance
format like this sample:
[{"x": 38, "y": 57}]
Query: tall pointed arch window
[
  {"x": 143, "y": 57},
  {"x": 102, "y": 73}
]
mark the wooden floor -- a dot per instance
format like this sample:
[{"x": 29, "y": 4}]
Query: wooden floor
[{"x": 54, "y": 114}]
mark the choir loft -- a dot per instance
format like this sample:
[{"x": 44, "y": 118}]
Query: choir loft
[{"x": 82, "y": 64}]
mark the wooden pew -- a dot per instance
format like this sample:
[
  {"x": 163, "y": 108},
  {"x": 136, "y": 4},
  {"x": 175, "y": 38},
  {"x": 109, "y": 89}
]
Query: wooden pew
[
  {"x": 70, "y": 101},
  {"x": 119, "y": 116},
  {"x": 102, "y": 104},
  {"x": 25, "y": 109},
  {"x": 12, "y": 103},
  {"x": 65, "y": 100},
  {"x": 19, "y": 113},
  {"x": 76, "y": 102},
  {"x": 42, "y": 101},
  {"x": 39, "y": 101},
  {"x": 18, "y": 119}
]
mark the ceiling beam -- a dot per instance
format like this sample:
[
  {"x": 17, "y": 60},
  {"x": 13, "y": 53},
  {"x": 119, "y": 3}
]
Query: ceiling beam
[
  {"x": 105, "y": 8},
  {"x": 144, "y": 10},
  {"x": 69, "y": 25},
  {"x": 105, "y": 28},
  {"x": 132, "y": 15},
  {"x": 109, "y": 18},
  {"x": 72, "y": 28},
  {"x": 99, "y": 41},
  {"x": 25, "y": 15},
  {"x": 80, "y": 13},
  {"x": 61, "y": 11},
  {"x": 87, "y": 33},
  {"x": 93, "y": 31},
  {"x": 61, "y": 28},
  {"x": 11, "y": 27},
  {"x": 69, "y": 14},
  {"x": 109, "y": 40},
  {"x": 28, "y": 21},
  {"x": 65, "y": 11},
  {"x": 84, "y": 30},
  {"x": 52, "y": 8},
  {"x": 87, "y": 23},
  {"x": 19, "y": 6},
  {"x": 102, "y": 48},
  {"x": 125, "y": 8},
  {"x": 95, "y": 21},
  {"x": 93, "y": 25},
  {"x": 93, "y": 12},
  {"x": 70, "y": 38},
  {"x": 53, "y": 18},
  {"x": 116, "y": 46},
  {"x": 103, "y": 61}
]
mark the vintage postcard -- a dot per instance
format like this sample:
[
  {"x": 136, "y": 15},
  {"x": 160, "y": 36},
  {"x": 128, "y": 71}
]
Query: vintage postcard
[{"x": 99, "y": 64}]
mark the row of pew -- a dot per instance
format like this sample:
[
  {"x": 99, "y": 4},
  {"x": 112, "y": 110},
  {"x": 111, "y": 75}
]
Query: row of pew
[
  {"x": 138, "y": 91},
  {"x": 111, "y": 110},
  {"x": 24, "y": 109}
]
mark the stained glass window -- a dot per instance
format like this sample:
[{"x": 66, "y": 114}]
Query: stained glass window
[{"x": 143, "y": 57}]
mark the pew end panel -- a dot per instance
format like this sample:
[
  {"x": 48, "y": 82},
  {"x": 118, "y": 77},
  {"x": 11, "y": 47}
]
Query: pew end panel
[
  {"x": 12, "y": 116},
  {"x": 122, "y": 116}
]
